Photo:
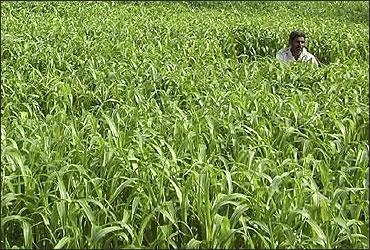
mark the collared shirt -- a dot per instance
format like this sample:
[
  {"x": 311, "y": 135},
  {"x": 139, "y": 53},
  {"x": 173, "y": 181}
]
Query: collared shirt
[{"x": 285, "y": 55}]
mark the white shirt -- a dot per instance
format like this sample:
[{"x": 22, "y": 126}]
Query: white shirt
[{"x": 285, "y": 55}]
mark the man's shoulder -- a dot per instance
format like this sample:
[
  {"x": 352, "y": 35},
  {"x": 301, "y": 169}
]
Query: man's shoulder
[
  {"x": 282, "y": 54},
  {"x": 283, "y": 50},
  {"x": 308, "y": 55}
]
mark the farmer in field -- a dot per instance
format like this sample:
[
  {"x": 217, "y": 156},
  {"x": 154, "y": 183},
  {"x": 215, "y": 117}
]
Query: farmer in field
[{"x": 297, "y": 50}]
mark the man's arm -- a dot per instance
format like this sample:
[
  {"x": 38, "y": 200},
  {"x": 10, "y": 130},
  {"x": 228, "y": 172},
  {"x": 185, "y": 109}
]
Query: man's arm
[
  {"x": 317, "y": 62},
  {"x": 313, "y": 59},
  {"x": 279, "y": 56}
]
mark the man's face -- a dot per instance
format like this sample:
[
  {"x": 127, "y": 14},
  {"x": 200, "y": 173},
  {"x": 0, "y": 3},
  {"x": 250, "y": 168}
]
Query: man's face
[{"x": 298, "y": 44}]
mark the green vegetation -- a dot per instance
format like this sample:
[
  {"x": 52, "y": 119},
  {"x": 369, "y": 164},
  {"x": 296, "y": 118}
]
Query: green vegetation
[{"x": 172, "y": 125}]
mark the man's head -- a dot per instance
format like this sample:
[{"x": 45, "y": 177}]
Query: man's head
[{"x": 297, "y": 40}]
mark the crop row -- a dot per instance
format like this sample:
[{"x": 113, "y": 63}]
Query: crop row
[{"x": 172, "y": 125}]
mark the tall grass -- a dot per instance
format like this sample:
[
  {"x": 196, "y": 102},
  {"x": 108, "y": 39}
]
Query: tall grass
[{"x": 172, "y": 125}]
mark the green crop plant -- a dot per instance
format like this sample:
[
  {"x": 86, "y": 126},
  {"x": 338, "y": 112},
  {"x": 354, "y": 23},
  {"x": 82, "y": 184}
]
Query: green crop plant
[{"x": 172, "y": 125}]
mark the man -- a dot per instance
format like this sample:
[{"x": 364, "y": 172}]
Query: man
[{"x": 297, "y": 50}]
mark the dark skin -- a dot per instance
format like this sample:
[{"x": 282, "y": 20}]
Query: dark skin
[{"x": 297, "y": 46}]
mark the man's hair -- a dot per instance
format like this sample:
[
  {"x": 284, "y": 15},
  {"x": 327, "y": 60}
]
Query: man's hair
[{"x": 294, "y": 34}]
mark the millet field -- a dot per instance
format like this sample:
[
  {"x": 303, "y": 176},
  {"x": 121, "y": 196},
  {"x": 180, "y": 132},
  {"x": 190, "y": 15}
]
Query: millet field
[{"x": 172, "y": 125}]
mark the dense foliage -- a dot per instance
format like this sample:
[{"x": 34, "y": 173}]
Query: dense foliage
[{"x": 171, "y": 124}]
